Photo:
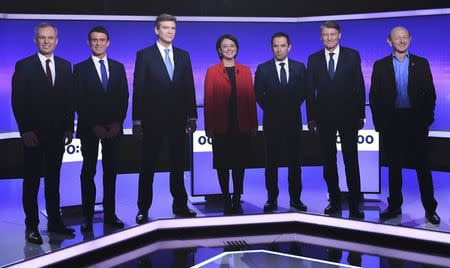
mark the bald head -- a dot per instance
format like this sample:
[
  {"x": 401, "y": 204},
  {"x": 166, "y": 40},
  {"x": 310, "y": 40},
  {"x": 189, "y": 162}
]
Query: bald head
[
  {"x": 399, "y": 30},
  {"x": 399, "y": 39}
]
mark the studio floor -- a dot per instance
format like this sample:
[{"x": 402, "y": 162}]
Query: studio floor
[{"x": 14, "y": 248}]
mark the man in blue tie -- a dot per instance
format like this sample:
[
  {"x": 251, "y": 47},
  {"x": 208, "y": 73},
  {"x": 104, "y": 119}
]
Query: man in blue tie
[
  {"x": 280, "y": 91},
  {"x": 336, "y": 103},
  {"x": 164, "y": 106},
  {"x": 102, "y": 92}
]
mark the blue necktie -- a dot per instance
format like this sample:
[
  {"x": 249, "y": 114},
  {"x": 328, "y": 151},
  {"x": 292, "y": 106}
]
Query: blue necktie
[
  {"x": 283, "y": 76},
  {"x": 104, "y": 74},
  {"x": 168, "y": 63},
  {"x": 331, "y": 66}
]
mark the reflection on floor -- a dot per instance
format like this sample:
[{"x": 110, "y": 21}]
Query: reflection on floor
[{"x": 14, "y": 248}]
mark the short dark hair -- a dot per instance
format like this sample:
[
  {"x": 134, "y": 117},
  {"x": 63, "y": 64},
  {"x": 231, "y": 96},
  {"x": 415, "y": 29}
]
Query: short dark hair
[
  {"x": 281, "y": 34},
  {"x": 164, "y": 17},
  {"x": 98, "y": 29},
  {"x": 45, "y": 25},
  {"x": 223, "y": 37},
  {"x": 330, "y": 24}
]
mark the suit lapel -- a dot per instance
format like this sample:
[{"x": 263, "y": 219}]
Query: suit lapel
[
  {"x": 323, "y": 63},
  {"x": 161, "y": 64},
  {"x": 176, "y": 62},
  {"x": 291, "y": 71},
  {"x": 341, "y": 62},
  {"x": 390, "y": 71},
  {"x": 274, "y": 72},
  {"x": 38, "y": 66},
  {"x": 222, "y": 71},
  {"x": 411, "y": 70},
  {"x": 94, "y": 74}
]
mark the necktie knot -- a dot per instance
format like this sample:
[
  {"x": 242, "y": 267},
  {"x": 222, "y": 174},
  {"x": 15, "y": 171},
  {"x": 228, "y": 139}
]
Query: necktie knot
[
  {"x": 167, "y": 50},
  {"x": 102, "y": 62},
  {"x": 48, "y": 61},
  {"x": 282, "y": 64},
  {"x": 331, "y": 54}
]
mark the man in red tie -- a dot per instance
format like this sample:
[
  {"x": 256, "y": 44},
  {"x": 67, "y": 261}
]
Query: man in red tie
[{"x": 41, "y": 102}]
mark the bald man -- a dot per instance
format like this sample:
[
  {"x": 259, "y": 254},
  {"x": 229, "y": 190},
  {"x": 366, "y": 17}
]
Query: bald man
[{"x": 402, "y": 100}]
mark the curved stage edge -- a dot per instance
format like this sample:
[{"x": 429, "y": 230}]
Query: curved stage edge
[{"x": 422, "y": 246}]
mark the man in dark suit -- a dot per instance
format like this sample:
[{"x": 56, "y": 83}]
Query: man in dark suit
[
  {"x": 102, "y": 91},
  {"x": 163, "y": 106},
  {"x": 280, "y": 91},
  {"x": 335, "y": 103},
  {"x": 42, "y": 105},
  {"x": 402, "y": 100}
]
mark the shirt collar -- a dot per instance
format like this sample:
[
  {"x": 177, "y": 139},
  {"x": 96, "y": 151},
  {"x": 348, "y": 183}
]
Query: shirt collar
[
  {"x": 97, "y": 59},
  {"x": 161, "y": 47},
  {"x": 277, "y": 62},
  {"x": 395, "y": 57},
  {"x": 43, "y": 58},
  {"x": 336, "y": 51}
]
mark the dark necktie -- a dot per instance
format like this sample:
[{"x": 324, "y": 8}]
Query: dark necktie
[
  {"x": 104, "y": 74},
  {"x": 283, "y": 76},
  {"x": 49, "y": 73},
  {"x": 331, "y": 66}
]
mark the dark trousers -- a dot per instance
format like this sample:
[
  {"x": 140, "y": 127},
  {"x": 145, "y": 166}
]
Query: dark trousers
[
  {"x": 47, "y": 154},
  {"x": 407, "y": 139},
  {"x": 273, "y": 142},
  {"x": 89, "y": 150},
  {"x": 348, "y": 132},
  {"x": 237, "y": 175},
  {"x": 151, "y": 149}
]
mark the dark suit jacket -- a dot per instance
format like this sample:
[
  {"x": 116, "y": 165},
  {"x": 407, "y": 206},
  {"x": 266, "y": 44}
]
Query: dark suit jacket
[
  {"x": 383, "y": 91},
  {"x": 95, "y": 106},
  {"x": 281, "y": 106},
  {"x": 156, "y": 99},
  {"x": 342, "y": 98},
  {"x": 217, "y": 95},
  {"x": 38, "y": 107}
]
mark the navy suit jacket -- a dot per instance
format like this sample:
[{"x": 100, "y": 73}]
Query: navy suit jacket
[
  {"x": 157, "y": 100},
  {"x": 37, "y": 106},
  {"x": 341, "y": 99},
  {"x": 95, "y": 106},
  {"x": 383, "y": 92},
  {"x": 281, "y": 106}
]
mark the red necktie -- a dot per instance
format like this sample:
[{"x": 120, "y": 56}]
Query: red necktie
[{"x": 49, "y": 73}]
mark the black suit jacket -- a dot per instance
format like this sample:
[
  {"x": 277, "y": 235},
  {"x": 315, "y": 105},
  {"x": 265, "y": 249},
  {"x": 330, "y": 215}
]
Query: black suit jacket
[
  {"x": 383, "y": 91},
  {"x": 342, "y": 98},
  {"x": 281, "y": 106},
  {"x": 38, "y": 107},
  {"x": 156, "y": 99},
  {"x": 96, "y": 106}
]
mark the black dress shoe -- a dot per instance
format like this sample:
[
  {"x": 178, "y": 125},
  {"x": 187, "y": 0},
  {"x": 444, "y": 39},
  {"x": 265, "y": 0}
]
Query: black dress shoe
[
  {"x": 33, "y": 236},
  {"x": 270, "y": 206},
  {"x": 390, "y": 213},
  {"x": 60, "y": 228},
  {"x": 184, "y": 212},
  {"x": 86, "y": 226},
  {"x": 114, "y": 222},
  {"x": 141, "y": 217},
  {"x": 433, "y": 217},
  {"x": 332, "y": 208},
  {"x": 298, "y": 206},
  {"x": 356, "y": 213}
]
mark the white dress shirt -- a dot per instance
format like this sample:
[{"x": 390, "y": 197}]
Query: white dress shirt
[
  {"x": 286, "y": 67},
  {"x": 97, "y": 65},
  {"x": 335, "y": 56},
  {"x": 43, "y": 60}
]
